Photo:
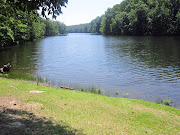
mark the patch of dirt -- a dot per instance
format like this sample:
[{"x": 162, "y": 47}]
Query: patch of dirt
[
  {"x": 36, "y": 91},
  {"x": 155, "y": 111},
  {"x": 9, "y": 102},
  {"x": 12, "y": 103}
]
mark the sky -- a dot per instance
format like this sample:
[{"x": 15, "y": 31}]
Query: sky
[{"x": 84, "y": 11}]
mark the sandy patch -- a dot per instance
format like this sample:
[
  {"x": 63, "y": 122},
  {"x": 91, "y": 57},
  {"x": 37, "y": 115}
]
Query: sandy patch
[
  {"x": 35, "y": 91},
  {"x": 9, "y": 102}
]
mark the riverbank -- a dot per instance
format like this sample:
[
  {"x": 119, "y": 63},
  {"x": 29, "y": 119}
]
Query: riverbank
[{"x": 41, "y": 109}]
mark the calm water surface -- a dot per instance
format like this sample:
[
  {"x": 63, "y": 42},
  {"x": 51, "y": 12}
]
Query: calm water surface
[{"x": 144, "y": 67}]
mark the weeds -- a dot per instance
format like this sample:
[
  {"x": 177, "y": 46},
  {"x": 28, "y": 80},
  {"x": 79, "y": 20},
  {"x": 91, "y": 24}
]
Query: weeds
[
  {"x": 167, "y": 102},
  {"x": 82, "y": 89},
  {"x": 117, "y": 92},
  {"x": 125, "y": 95},
  {"x": 19, "y": 77},
  {"x": 99, "y": 91},
  {"x": 92, "y": 90},
  {"x": 159, "y": 101}
]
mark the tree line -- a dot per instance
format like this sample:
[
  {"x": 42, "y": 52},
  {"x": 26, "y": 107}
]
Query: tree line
[
  {"x": 82, "y": 28},
  {"x": 20, "y": 21},
  {"x": 137, "y": 17}
]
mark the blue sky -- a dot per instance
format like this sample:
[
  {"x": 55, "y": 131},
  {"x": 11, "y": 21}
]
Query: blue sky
[{"x": 83, "y": 11}]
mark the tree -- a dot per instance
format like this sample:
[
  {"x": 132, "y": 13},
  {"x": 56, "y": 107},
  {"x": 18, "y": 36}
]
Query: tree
[
  {"x": 95, "y": 25},
  {"x": 81, "y": 28},
  {"x": 137, "y": 17},
  {"x": 120, "y": 25},
  {"x": 159, "y": 21},
  {"x": 50, "y": 6},
  {"x": 106, "y": 21},
  {"x": 20, "y": 22}
]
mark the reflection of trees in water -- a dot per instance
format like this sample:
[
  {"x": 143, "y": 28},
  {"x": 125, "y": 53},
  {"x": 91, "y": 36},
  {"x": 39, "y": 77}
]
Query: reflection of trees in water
[
  {"x": 160, "y": 52},
  {"x": 157, "y": 56},
  {"x": 23, "y": 58}
]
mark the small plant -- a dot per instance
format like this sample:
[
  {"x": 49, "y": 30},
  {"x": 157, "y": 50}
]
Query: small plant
[
  {"x": 125, "y": 95},
  {"x": 4, "y": 75},
  {"x": 39, "y": 80},
  {"x": 99, "y": 91},
  {"x": 167, "y": 102},
  {"x": 93, "y": 90},
  {"x": 159, "y": 101},
  {"x": 82, "y": 89},
  {"x": 117, "y": 92}
]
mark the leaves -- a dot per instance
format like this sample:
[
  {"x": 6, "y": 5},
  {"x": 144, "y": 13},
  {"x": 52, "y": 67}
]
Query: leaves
[
  {"x": 141, "y": 17},
  {"x": 17, "y": 24}
]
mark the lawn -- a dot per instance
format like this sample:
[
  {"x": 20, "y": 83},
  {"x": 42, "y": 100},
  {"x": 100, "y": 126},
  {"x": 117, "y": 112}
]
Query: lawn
[{"x": 26, "y": 108}]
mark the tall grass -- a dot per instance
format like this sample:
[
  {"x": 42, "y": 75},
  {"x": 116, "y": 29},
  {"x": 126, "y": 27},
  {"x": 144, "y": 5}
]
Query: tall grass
[
  {"x": 19, "y": 77},
  {"x": 36, "y": 79}
]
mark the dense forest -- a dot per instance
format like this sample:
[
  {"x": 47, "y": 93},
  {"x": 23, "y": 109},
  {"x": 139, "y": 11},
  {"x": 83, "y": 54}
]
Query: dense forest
[
  {"x": 82, "y": 28},
  {"x": 20, "y": 20},
  {"x": 136, "y": 17}
]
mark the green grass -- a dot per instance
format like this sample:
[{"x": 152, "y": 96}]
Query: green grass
[
  {"x": 84, "y": 113},
  {"x": 39, "y": 80},
  {"x": 20, "y": 77}
]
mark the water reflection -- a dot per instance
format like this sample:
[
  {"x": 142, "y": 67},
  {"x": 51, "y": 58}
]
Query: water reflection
[
  {"x": 23, "y": 58},
  {"x": 148, "y": 64}
]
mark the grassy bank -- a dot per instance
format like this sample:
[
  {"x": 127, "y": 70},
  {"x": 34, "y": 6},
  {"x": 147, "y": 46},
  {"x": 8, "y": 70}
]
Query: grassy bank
[{"x": 57, "y": 111}]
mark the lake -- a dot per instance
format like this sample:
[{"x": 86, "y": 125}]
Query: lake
[{"x": 147, "y": 68}]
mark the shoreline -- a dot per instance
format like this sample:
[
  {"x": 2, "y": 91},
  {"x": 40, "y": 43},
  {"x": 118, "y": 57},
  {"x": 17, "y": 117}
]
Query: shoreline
[{"x": 90, "y": 89}]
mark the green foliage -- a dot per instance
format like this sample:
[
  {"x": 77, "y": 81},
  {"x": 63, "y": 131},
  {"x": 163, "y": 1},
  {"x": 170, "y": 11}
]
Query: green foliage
[
  {"x": 167, "y": 102},
  {"x": 95, "y": 25},
  {"x": 54, "y": 28},
  {"x": 19, "y": 23},
  {"x": 38, "y": 29},
  {"x": 159, "y": 101},
  {"x": 92, "y": 90},
  {"x": 99, "y": 91},
  {"x": 82, "y": 89},
  {"x": 81, "y": 28},
  {"x": 138, "y": 17},
  {"x": 125, "y": 95},
  {"x": 18, "y": 77},
  {"x": 117, "y": 92},
  {"x": 52, "y": 7}
]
